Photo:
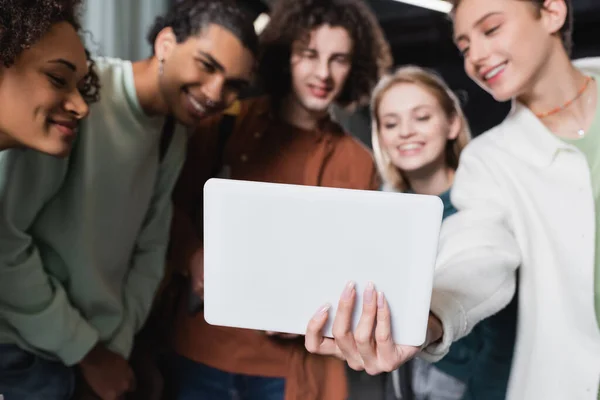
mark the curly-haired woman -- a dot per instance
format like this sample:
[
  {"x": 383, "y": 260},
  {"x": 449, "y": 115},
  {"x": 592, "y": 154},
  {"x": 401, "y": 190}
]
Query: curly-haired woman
[
  {"x": 46, "y": 76},
  {"x": 83, "y": 237}
]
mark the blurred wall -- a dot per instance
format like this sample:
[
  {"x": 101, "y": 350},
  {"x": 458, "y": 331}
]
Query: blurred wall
[{"x": 117, "y": 28}]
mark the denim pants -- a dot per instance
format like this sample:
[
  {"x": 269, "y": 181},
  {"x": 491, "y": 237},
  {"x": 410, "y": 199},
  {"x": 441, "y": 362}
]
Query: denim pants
[
  {"x": 25, "y": 376},
  {"x": 192, "y": 381}
]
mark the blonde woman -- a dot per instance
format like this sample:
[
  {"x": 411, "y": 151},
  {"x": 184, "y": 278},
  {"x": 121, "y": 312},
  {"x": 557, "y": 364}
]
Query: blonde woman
[{"x": 419, "y": 131}]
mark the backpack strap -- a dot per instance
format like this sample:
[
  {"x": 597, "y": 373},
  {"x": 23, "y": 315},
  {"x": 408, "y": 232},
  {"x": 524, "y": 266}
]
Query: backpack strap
[
  {"x": 166, "y": 136},
  {"x": 225, "y": 130}
]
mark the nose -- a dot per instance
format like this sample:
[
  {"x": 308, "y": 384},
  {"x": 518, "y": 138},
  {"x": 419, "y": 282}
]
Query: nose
[
  {"x": 213, "y": 89},
  {"x": 323, "y": 69},
  {"x": 478, "y": 52},
  {"x": 406, "y": 130},
  {"x": 76, "y": 105}
]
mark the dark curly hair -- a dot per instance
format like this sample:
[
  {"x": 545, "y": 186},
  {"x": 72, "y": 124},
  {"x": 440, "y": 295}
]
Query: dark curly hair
[
  {"x": 566, "y": 32},
  {"x": 189, "y": 17},
  {"x": 293, "y": 20},
  {"x": 24, "y": 22}
]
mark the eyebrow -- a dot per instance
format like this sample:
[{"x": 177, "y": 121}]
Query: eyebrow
[
  {"x": 342, "y": 55},
  {"x": 313, "y": 50},
  {"x": 417, "y": 108},
  {"x": 478, "y": 22},
  {"x": 212, "y": 60},
  {"x": 219, "y": 66},
  {"x": 64, "y": 62}
]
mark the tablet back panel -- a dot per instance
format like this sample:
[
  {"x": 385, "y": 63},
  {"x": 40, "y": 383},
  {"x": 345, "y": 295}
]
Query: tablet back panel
[{"x": 275, "y": 253}]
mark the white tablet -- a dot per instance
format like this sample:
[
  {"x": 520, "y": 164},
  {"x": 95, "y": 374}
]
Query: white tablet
[{"x": 275, "y": 253}]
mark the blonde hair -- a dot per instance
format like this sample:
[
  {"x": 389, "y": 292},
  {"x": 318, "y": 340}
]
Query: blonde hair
[{"x": 435, "y": 85}]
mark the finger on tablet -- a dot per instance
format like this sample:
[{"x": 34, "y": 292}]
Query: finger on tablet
[
  {"x": 387, "y": 350},
  {"x": 314, "y": 340},
  {"x": 363, "y": 335},
  {"x": 342, "y": 328}
]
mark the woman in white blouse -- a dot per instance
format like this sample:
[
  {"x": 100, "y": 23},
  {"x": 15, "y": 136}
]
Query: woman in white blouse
[{"x": 527, "y": 192}]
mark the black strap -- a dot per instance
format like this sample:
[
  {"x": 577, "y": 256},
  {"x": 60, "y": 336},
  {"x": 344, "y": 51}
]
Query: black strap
[
  {"x": 406, "y": 378},
  {"x": 166, "y": 136},
  {"x": 226, "y": 125},
  {"x": 225, "y": 130}
]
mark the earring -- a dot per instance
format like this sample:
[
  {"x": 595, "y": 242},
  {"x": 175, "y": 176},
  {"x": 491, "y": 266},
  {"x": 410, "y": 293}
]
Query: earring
[{"x": 161, "y": 68}]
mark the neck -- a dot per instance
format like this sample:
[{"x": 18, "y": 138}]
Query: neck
[
  {"x": 293, "y": 113},
  {"x": 557, "y": 83},
  {"x": 146, "y": 78},
  {"x": 433, "y": 182},
  {"x": 7, "y": 142}
]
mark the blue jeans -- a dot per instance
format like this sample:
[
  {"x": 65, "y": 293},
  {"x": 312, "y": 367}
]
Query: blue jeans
[
  {"x": 192, "y": 381},
  {"x": 25, "y": 376}
]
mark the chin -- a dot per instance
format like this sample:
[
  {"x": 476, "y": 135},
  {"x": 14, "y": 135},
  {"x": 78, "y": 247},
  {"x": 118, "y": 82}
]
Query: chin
[
  {"x": 503, "y": 92},
  {"x": 502, "y": 95},
  {"x": 59, "y": 150},
  {"x": 409, "y": 166},
  {"x": 316, "y": 105}
]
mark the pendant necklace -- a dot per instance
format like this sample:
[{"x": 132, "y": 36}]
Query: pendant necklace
[{"x": 581, "y": 131}]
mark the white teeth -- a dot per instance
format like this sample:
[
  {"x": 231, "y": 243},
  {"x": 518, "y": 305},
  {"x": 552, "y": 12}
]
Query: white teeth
[
  {"x": 495, "y": 72},
  {"x": 196, "y": 104},
  {"x": 410, "y": 146}
]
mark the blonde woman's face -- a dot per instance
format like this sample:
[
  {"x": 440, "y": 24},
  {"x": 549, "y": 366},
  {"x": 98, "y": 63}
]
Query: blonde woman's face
[{"x": 414, "y": 129}]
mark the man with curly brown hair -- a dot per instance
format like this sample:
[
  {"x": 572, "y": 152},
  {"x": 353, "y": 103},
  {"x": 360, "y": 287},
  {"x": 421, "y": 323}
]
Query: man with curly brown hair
[
  {"x": 314, "y": 54},
  {"x": 83, "y": 238},
  {"x": 46, "y": 78}
]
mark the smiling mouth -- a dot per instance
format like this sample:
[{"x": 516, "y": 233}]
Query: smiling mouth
[
  {"x": 67, "y": 128},
  {"x": 319, "y": 91},
  {"x": 410, "y": 146},
  {"x": 494, "y": 72},
  {"x": 198, "y": 107}
]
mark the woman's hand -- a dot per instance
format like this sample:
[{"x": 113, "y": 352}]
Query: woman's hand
[{"x": 371, "y": 347}]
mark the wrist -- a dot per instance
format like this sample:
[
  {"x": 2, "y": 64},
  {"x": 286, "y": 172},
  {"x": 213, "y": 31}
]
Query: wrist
[
  {"x": 435, "y": 330},
  {"x": 91, "y": 357}
]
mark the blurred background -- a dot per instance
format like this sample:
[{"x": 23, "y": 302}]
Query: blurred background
[{"x": 417, "y": 35}]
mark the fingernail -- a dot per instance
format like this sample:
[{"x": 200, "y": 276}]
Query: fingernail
[
  {"x": 322, "y": 311},
  {"x": 348, "y": 291},
  {"x": 369, "y": 293},
  {"x": 380, "y": 300}
]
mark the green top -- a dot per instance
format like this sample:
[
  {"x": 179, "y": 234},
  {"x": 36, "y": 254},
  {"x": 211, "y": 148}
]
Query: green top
[
  {"x": 83, "y": 239},
  {"x": 589, "y": 145}
]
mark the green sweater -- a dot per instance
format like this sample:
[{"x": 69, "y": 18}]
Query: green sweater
[{"x": 83, "y": 239}]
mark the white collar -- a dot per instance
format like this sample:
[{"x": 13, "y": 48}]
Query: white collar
[{"x": 528, "y": 137}]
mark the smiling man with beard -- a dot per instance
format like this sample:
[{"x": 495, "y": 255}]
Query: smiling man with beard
[
  {"x": 84, "y": 238},
  {"x": 313, "y": 54}
]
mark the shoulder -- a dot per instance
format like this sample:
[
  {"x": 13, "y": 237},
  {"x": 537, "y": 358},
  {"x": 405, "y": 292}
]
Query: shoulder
[
  {"x": 117, "y": 86},
  {"x": 491, "y": 144},
  {"x": 109, "y": 66},
  {"x": 589, "y": 65},
  {"x": 29, "y": 173},
  {"x": 349, "y": 146}
]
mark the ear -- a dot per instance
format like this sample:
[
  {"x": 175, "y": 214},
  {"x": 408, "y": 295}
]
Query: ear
[
  {"x": 165, "y": 43},
  {"x": 554, "y": 15},
  {"x": 455, "y": 127}
]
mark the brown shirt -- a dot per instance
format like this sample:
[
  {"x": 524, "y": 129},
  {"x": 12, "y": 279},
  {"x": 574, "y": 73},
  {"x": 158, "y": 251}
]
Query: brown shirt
[{"x": 264, "y": 149}]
